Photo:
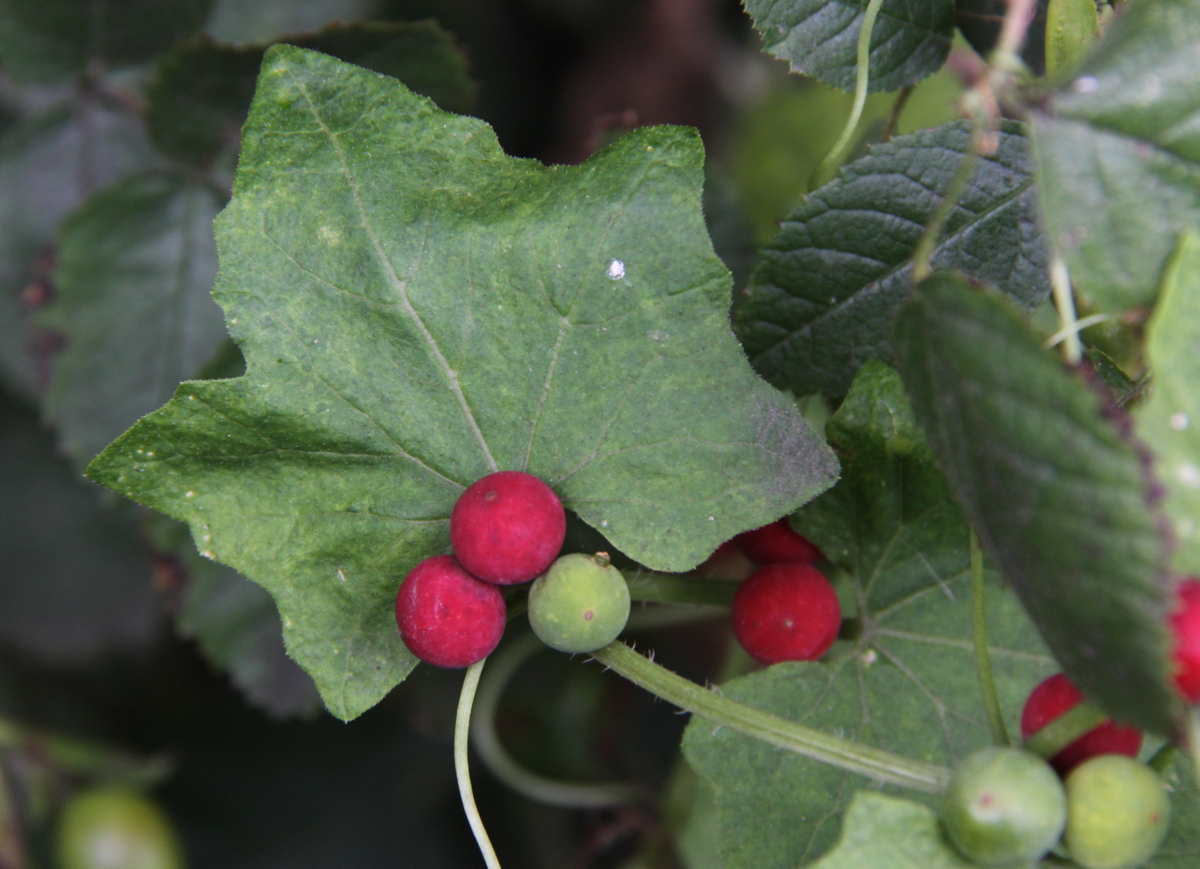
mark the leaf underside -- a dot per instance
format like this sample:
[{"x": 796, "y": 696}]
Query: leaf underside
[
  {"x": 910, "y": 40},
  {"x": 830, "y": 284},
  {"x": 1061, "y": 500},
  {"x": 1118, "y": 151},
  {"x": 416, "y": 310}
]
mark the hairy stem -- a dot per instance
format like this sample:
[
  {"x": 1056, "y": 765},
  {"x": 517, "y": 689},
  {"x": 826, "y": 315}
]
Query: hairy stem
[
  {"x": 462, "y": 727},
  {"x": 983, "y": 657},
  {"x": 874, "y": 763},
  {"x": 862, "y": 78},
  {"x": 487, "y": 742}
]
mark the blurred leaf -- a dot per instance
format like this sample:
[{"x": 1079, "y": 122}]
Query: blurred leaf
[
  {"x": 201, "y": 92},
  {"x": 1110, "y": 372},
  {"x": 236, "y": 624},
  {"x": 1181, "y": 849},
  {"x": 980, "y": 21},
  {"x": 881, "y": 832},
  {"x": 910, "y": 40},
  {"x": 1071, "y": 28},
  {"x": 416, "y": 310},
  {"x": 1050, "y": 479},
  {"x": 1118, "y": 150},
  {"x": 908, "y": 681},
  {"x": 48, "y": 165},
  {"x": 75, "y": 580},
  {"x": 1169, "y": 422},
  {"x": 829, "y": 286},
  {"x": 134, "y": 280},
  {"x": 44, "y": 40},
  {"x": 247, "y": 21}
]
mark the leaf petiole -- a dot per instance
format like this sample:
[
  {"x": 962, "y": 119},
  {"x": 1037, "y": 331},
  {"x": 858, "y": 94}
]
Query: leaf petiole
[{"x": 874, "y": 763}]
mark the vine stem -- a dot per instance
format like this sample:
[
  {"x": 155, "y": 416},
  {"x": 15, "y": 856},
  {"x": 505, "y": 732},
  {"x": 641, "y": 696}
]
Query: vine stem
[
  {"x": 487, "y": 742},
  {"x": 862, "y": 78},
  {"x": 983, "y": 657},
  {"x": 462, "y": 727},
  {"x": 1064, "y": 300},
  {"x": 874, "y": 763}
]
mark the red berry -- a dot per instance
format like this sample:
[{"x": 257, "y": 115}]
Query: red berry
[
  {"x": 1185, "y": 624},
  {"x": 507, "y": 527},
  {"x": 447, "y": 617},
  {"x": 1056, "y": 696},
  {"x": 777, "y": 543},
  {"x": 786, "y": 612}
]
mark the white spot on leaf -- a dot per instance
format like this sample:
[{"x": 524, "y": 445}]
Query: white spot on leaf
[
  {"x": 1179, "y": 421},
  {"x": 616, "y": 270}
]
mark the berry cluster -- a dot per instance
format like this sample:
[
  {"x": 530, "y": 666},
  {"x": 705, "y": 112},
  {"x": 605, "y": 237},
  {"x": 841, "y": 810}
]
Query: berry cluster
[
  {"x": 507, "y": 528},
  {"x": 786, "y": 610}
]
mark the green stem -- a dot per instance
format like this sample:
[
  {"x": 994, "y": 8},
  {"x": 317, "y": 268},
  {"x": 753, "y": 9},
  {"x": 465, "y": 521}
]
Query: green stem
[
  {"x": 1064, "y": 300},
  {"x": 983, "y": 657},
  {"x": 933, "y": 230},
  {"x": 874, "y": 763},
  {"x": 462, "y": 727},
  {"x": 82, "y": 757},
  {"x": 487, "y": 742},
  {"x": 1065, "y": 729},
  {"x": 671, "y": 588},
  {"x": 862, "y": 78},
  {"x": 1163, "y": 758}
]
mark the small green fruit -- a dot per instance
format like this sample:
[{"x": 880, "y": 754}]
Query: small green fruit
[
  {"x": 1117, "y": 813},
  {"x": 580, "y": 604},
  {"x": 115, "y": 828},
  {"x": 1004, "y": 807}
]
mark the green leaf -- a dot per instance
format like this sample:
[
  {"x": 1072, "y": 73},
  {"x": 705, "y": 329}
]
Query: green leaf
[
  {"x": 823, "y": 299},
  {"x": 910, "y": 40},
  {"x": 1118, "y": 150},
  {"x": 1181, "y": 849},
  {"x": 882, "y": 832},
  {"x": 1071, "y": 28},
  {"x": 907, "y": 683},
  {"x": 75, "y": 578},
  {"x": 416, "y": 310},
  {"x": 1048, "y": 476},
  {"x": 264, "y": 20},
  {"x": 1169, "y": 422},
  {"x": 201, "y": 92},
  {"x": 45, "y": 40},
  {"x": 48, "y": 164},
  {"x": 135, "y": 270}
]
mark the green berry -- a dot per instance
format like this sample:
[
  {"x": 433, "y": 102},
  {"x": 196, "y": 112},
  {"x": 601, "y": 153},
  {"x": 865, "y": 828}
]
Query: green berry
[
  {"x": 115, "y": 828},
  {"x": 1004, "y": 807},
  {"x": 580, "y": 604},
  {"x": 1117, "y": 813}
]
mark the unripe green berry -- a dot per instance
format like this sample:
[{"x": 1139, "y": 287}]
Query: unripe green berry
[
  {"x": 1117, "y": 813},
  {"x": 580, "y": 604},
  {"x": 1004, "y": 807}
]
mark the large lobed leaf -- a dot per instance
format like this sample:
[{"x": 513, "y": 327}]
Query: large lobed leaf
[
  {"x": 881, "y": 832},
  {"x": 1169, "y": 422},
  {"x": 1118, "y": 151},
  {"x": 910, "y": 40},
  {"x": 1061, "y": 500},
  {"x": 907, "y": 682},
  {"x": 416, "y": 310},
  {"x": 824, "y": 298}
]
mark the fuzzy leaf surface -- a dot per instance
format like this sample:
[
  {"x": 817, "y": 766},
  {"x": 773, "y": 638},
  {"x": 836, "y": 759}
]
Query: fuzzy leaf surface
[
  {"x": 416, "y": 310},
  {"x": 1060, "y": 499},
  {"x": 75, "y": 579},
  {"x": 49, "y": 164},
  {"x": 882, "y": 832},
  {"x": 830, "y": 284},
  {"x": 133, "y": 300},
  {"x": 1118, "y": 149},
  {"x": 908, "y": 683},
  {"x": 46, "y": 40},
  {"x": 201, "y": 92},
  {"x": 910, "y": 40},
  {"x": 1169, "y": 421}
]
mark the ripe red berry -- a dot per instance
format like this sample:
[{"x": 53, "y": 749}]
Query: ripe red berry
[
  {"x": 507, "y": 527},
  {"x": 777, "y": 543},
  {"x": 1185, "y": 624},
  {"x": 786, "y": 612},
  {"x": 1056, "y": 696},
  {"x": 447, "y": 617}
]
